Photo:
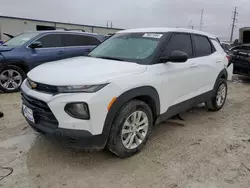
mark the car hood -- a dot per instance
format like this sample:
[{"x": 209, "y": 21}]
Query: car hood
[
  {"x": 83, "y": 70},
  {"x": 5, "y": 49}
]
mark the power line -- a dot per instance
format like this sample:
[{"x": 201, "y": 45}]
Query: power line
[
  {"x": 235, "y": 13},
  {"x": 201, "y": 22}
]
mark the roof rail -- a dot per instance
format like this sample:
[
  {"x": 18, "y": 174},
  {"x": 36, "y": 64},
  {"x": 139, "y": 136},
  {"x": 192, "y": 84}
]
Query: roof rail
[{"x": 65, "y": 29}]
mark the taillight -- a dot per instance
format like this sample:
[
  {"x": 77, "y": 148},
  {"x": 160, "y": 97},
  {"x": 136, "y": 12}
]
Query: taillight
[{"x": 228, "y": 57}]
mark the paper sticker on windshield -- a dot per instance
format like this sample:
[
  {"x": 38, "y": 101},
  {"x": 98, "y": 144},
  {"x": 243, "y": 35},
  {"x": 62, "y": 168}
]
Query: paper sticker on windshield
[{"x": 152, "y": 35}]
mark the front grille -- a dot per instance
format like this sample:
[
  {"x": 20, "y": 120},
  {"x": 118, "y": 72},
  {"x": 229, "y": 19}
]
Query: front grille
[
  {"x": 41, "y": 111},
  {"x": 43, "y": 87}
]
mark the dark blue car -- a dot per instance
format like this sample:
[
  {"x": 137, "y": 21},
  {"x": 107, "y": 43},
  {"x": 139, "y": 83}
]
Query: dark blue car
[{"x": 24, "y": 52}]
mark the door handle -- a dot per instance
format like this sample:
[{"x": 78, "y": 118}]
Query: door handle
[
  {"x": 60, "y": 53},
  {"x": 193, "y": 65},
  {"x": 219, "y": 61}
]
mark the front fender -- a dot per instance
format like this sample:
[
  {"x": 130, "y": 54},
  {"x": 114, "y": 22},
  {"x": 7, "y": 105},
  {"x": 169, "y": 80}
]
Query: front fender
[{"x": 148, "y": 91}]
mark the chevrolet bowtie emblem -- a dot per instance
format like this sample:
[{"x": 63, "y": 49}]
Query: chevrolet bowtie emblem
[{"x": 33, "y": 85}]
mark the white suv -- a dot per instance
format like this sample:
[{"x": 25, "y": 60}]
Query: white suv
[{"x": 132, "y": 81}]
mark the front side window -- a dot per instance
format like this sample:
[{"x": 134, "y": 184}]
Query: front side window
[
  {"x": 181, "y": 42},
  {"x": 19, "y": 40},
  {"x": 202, "y": 46},
  {"x": 134, "y": 47},
  {"x": 51, "y": 41}
]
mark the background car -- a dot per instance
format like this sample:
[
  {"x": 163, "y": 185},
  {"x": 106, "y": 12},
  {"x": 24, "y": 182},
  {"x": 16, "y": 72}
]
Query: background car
[
  {"x": 226, "y": 46},
  {"x": 24, "y": 52},
  {"x": 240, "y": 57}
]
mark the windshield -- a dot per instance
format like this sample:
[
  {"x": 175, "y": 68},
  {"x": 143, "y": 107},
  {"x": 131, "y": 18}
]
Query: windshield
[
  {"x": 19, "y": 40},
  {"x": 134, "y": 47}
]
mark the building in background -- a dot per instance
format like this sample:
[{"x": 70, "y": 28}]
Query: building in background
[{"x": 15, "y": 26}]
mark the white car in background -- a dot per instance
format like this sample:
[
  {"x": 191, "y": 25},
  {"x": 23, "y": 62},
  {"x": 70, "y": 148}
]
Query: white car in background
[{"x": 135, "y": 79}]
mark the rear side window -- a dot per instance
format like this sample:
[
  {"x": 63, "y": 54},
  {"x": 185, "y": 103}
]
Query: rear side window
[
  {"x": 181, "y": 42},
  {"x": 79, "y": 40},
  {"x": 51, "y": 41},
  {"x": 202, "y": 46}
]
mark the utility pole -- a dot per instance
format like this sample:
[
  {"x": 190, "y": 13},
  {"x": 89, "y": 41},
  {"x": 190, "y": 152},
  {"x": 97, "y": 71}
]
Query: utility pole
[
  {"x": 201, "y": 22},
  {"x": 235, "y": 13},
  {"x": 190, "y": 24}
]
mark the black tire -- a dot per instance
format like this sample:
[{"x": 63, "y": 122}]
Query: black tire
[
  {"x": 15, "y": 68},
  {"x": 212, "y": 104},
  {"x": 115, "y": 144}
]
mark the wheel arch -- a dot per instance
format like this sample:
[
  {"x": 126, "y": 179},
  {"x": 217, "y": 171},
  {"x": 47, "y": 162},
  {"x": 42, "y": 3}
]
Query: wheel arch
[
  {"x": 222, "y": 75},
  {"x": 22, "y": 65},
  {"x": 147, "y": 94}
]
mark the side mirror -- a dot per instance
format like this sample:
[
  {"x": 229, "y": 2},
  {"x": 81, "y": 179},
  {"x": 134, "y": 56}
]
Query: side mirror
[
  {"x": 178, "y": 57},
  {"x": 36, "y": 44},
  {"x": 175, "y": 57}
]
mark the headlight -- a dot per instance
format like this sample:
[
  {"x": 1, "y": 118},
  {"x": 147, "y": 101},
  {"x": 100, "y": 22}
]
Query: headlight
[
  {"x": 78, "y": 110},
  {"x": 81, "y": 88}
]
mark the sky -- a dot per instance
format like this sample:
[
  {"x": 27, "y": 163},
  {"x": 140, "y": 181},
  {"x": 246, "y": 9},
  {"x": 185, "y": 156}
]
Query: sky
[{"x": 217, "y": 17}]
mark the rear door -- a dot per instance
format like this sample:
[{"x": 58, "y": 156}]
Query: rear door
[
  {"x": 210, "y": 61},
  {"x": 51, "y": 50},
  {"x": 78, "y": 45}
]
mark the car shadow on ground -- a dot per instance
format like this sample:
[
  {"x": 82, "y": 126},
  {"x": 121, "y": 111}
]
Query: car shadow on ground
[{"x": 45, "y": 152}]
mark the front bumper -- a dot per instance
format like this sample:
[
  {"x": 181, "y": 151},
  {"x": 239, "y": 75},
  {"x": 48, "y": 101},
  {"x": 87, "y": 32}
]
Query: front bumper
[
  {"x": 51, "y": 119},
  {"x": 72, "y": 138}
]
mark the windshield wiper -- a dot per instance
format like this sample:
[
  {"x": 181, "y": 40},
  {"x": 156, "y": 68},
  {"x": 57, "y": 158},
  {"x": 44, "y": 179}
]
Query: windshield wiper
[{"x": 111, "y": 58}]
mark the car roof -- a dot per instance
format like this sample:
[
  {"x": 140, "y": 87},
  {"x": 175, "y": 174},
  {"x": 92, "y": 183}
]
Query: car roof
[
  {"x": 161, "y": 29},
  {"x": 62, "y": 31}
]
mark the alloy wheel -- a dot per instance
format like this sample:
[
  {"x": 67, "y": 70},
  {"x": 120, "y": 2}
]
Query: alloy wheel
[
  {"x": 10, "y": 79},
  {"x": 221, "y": 95},
  {"x": 134, "y": 129}
]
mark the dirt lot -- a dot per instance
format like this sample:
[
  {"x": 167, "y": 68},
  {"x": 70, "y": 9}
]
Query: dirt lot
[{"x": 212, "y": 150}]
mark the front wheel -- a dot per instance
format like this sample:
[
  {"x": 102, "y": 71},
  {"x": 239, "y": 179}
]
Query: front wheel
[
  {"x": 218, "y": 101},
  {"x": 130, "y": 129},
  {"x": 11, "y": 78}
]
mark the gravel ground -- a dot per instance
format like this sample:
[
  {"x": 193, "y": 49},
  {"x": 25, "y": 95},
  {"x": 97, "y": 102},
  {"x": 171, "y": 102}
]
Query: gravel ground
[{"x": 211, "y": 150}]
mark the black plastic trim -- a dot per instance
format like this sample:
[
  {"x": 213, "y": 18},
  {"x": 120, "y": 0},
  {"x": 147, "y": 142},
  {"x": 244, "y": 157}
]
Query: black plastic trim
[
  {"x": 127, "y": 96},
  {"x": 75, "y": 116},
  {"x": 81, "y": 139},
  {"x": 183, "y": 106},
  {"x": 222, "y": 74}
]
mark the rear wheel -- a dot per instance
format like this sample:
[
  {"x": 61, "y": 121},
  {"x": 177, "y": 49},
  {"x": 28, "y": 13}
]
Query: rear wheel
[
  {"x": 131, "y": 129},
  {"x": 218, "y": 101},
  {"x": 11, "y": 78}
]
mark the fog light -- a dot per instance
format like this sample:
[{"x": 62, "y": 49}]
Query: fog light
[{"x": 78, "y": 110}]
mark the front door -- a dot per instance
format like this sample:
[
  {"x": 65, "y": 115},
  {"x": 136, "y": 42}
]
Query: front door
[
  {"x": 177, "y": 81},
  {"x": 51, "y": 50}
]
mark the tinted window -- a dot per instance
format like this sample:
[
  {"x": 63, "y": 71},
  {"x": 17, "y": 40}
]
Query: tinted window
[
  {"x": 181, "y": 42},
  {"x": 202, "y": 46},
  {"x": 51, "y": 41},
  {"x": 20, "y": 39},
  {"x": 79, "y": 40}
]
